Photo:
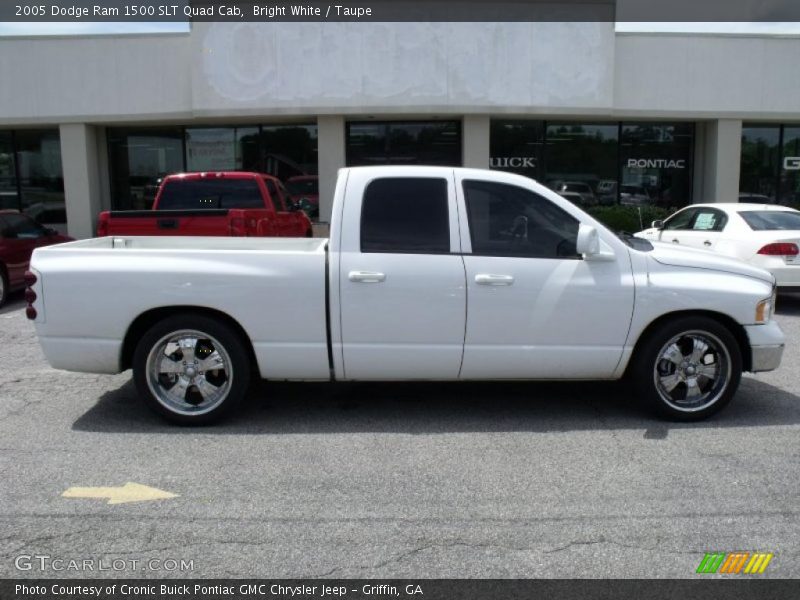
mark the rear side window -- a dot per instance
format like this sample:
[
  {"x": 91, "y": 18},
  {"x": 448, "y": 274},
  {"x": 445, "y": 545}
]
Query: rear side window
[
  {"x": 709, "y": 220},
  {"x": 405, "y": 215},
  {"x": 506, "y": 220},
  {"x": 277, "y": 202},
  {"x": 772, "y": 220},
  {"x": 211, "y": 193},
  {"x": 21, "y": 227}
]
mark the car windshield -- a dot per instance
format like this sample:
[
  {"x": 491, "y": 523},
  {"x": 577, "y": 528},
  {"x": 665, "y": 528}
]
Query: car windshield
[
  {"x": 303, "y": 187},
  {"x": 772, "y": 220}
]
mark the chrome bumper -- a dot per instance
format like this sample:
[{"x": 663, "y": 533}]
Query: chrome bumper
[{"x": 766, "y": 358}]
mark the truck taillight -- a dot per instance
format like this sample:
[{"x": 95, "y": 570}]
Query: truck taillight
[
  {"x": 102, "y": 225},
  {"x": 780, "y": 249},
  {"x": 30, "y": 296}
]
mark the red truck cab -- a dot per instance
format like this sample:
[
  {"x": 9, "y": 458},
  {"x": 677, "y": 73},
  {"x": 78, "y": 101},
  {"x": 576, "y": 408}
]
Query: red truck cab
[{"x": 221, "y": 203}]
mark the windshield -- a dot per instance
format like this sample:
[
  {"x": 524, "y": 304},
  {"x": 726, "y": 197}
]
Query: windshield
[
  {"x": 308, "y": 187},
  {"x": 772, "y": 220},
  {"x": 215, "y": 193}
]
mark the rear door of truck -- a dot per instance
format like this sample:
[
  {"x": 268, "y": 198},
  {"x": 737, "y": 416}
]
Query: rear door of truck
[
  {"x": 288, "y": 223},
  {"x": 402, "y": 287}
]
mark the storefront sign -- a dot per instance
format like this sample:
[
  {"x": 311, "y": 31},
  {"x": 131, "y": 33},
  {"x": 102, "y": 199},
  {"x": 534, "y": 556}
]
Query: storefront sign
[
  {"x": 655, "y": 163},
  {"x": 513, "y": 162},
  {"x": 791, "y": 163}
]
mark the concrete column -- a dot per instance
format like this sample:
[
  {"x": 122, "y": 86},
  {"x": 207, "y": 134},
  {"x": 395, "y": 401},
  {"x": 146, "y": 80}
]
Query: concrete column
[
  {"x": 79, "y": 158},
  {"x": 475, "y": 138},
  {"x": 721, "y": 161},
  {"x": 331, "y": 153}
]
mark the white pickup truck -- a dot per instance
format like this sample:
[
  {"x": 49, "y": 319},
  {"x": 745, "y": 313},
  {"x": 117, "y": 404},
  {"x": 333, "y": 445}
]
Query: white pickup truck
[{"x": 430, "y": 273}]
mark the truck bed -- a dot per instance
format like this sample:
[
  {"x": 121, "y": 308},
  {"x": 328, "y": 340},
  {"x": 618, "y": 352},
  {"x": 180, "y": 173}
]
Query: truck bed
[{"x": 273, "y": 288}]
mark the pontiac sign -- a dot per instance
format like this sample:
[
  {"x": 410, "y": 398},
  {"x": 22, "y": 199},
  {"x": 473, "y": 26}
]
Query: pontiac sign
[{"x": 655, "y": 163}]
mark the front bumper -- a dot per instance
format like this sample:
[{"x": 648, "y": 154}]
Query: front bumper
[{"x": 766, "y": 346}]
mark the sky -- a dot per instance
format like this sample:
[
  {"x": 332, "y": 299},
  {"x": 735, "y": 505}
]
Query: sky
[{"x": 83, "y": 28}]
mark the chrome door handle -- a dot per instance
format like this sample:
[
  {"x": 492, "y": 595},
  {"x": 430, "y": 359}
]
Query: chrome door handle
[
  {"x": 707, "y": 243},
  {"x": 489, "y": 279},
  {"x": 366, "y": 277},
  {"x": 675, "y": 241}
]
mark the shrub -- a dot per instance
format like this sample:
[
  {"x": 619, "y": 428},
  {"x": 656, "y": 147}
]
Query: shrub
[{"x": 626, "y": 218}]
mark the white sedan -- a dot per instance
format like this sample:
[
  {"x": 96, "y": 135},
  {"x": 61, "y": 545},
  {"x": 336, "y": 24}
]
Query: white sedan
[{"x": 764, "y": 235}]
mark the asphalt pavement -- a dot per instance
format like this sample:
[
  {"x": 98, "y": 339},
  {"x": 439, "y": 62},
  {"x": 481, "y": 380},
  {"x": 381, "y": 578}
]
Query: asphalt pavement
[{"x": 506, "y": 480}]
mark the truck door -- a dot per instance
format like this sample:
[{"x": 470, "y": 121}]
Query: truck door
[
  {"x": 401, "y": 277},
  {"x": 283, "y": 218},
  {"x": 537, "y": 309}
]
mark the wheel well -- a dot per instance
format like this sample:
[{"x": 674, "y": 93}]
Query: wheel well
[
  {"x": 147, "y": 319},
  {"x": 730, "y": 324}
]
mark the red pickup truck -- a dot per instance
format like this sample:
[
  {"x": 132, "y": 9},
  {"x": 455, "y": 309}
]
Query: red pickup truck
[{"x": 225, "y": 203}]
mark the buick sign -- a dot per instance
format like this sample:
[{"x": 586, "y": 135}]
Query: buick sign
[
  {"x": 791, "y": 163},
  {"x": 514, "y": 162}
]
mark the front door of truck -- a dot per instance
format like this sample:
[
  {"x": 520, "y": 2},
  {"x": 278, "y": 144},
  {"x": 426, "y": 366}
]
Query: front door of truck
[
  {"x": 401, "y": 278},
  {"x": 537, "y": 309}
]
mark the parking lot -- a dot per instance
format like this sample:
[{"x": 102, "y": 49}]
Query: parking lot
[{"x": 394, "y": 480}]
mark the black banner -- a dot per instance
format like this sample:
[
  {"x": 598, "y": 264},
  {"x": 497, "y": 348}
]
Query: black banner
[{"x": 734, "y": 588}]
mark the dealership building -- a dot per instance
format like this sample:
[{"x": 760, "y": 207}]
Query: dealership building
[{"x": 89, "y": 123}]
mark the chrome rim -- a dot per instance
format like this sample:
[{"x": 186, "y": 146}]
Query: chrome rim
[
  {"x": 692, "y": 371},
  {"x": 189, "y": 372}
]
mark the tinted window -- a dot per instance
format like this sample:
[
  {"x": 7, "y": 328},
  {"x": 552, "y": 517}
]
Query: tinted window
[
  {"x": 214, "y": 193},
  {"x": 771, "y": 220},
  {"x": 21, "y": 227},
  {"x": 303, "y": 186},
  {"x": 681, "y": 220},
  {"x": 405, "y": 215},
  {"x": 506, "y": 220}
]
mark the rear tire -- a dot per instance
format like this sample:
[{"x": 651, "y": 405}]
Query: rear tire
[
  {"x": 4, "y": 285},
  {"x": 687, "y": 369},
  {"x": 191, "y": 369}
]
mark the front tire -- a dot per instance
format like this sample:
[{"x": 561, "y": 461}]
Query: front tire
[
  {"x": 4, "y": 285},
  {"x": 191, "y": 369},
  {"x": 687, "y": 369}
]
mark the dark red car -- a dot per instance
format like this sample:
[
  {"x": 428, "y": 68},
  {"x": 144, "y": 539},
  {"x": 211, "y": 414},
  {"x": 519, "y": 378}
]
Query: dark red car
[
  {"x": 19, "y": 237},
  {"x": 305, "y": 190}
]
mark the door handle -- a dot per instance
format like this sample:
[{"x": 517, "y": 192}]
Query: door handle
[
  {"x": 675, "y": 241},
  {"x": 366, "y": 277},
  {"x": 489, "y": 279},
  {"x": 707, "y": 243}
]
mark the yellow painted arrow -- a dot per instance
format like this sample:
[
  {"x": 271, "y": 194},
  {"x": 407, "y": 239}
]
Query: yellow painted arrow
[{"x": 130, "y": 492}]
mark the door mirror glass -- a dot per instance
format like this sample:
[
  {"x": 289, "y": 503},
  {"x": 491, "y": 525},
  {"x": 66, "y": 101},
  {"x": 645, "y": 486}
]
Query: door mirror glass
[
  {"x": 658, "y": 224},
  {"x": 588, "y": 242}
]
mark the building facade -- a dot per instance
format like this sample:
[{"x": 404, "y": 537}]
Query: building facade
[{"x": 92, "y": 123}]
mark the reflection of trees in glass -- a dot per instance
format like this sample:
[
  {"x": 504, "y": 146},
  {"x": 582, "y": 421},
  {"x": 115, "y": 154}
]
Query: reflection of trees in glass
[
  {"x": 759, "y": 160},
  {"x": 790, "y": 179},
  {"x": 287, "y": 150},
  {"x": 404, "y": 142},
  {"x": 581, "y": 152}
]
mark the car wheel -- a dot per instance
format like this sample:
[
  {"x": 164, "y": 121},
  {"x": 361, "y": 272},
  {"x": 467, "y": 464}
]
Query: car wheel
[
  {"x": 191, "y": 369},
  {"x": 687, "y": 369},
  {"x": 4, "y": 286}
]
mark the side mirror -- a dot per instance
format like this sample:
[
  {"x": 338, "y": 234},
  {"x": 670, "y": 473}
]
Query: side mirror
[
  {"x": 658, "y": 224},
  {"x": 588, "y": 242}
]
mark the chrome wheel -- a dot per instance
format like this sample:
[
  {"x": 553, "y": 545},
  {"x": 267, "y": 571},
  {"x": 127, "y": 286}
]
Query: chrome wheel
[
  {"x": 189, "y": 372},
  {"x": 692, "y": 371}
]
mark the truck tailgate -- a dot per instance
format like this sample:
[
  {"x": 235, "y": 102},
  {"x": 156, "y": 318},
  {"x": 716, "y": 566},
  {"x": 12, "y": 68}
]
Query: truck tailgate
[{"x": 213, "y": 222}]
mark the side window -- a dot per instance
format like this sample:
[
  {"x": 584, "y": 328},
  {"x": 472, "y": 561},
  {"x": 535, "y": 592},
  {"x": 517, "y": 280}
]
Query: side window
[
  {"x": 405, "y": 215},
  {"x": 709, "y": 220},
  {"x": 681, "y": 220},
  {"x": 22, "y": 228},
  {"x": 277, "y": 201},
  {"x": 506, "y": 220}
]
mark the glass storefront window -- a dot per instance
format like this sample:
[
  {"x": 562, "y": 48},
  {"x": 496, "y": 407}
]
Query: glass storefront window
[
  {"x": 139, "y": 158},
  {"x": 790, "y": 167},
  {"x": 8, "y": 173},
  {"x": 656, "y": 161},
  {"x": 404, "y": 143},
  {"x": 221, "y": 148},
  {"x": 760, "y": 160},
  {"x": 517, "y": 146},
  {"x": 288, "y": 151},
  {"x": 41, "y": 181},
  {"x": 581, "y": 158}
]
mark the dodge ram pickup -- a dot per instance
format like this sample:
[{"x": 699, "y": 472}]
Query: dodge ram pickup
[
  {"x": 430, "y": 273},
  {"x": 224, "y": 203}
]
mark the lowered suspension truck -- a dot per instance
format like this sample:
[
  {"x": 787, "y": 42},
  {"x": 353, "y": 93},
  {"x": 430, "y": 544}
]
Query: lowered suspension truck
[{"x": 430, "y": 273}]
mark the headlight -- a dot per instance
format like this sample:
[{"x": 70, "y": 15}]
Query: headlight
[{"x": 766, "y": 308}]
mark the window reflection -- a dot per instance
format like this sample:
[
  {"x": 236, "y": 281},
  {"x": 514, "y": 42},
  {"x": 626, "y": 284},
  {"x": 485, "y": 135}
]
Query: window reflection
[{"x": 404, "y": 143}]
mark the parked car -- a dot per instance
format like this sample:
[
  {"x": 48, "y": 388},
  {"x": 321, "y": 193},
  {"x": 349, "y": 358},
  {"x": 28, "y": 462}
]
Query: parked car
[
  {"x": 224, "y": 203},
  {"x": 305, "y": 191},
  {"x": 764, "y": 235},
  {"x": 607, "y": 192},
  {"x": 634, "y": 195},
  {"x": 578, "y": 187},
  {"x": 19, "y": 237},
  {"x": 51, "y": 215},
  {"x": 552, "y": 294}
]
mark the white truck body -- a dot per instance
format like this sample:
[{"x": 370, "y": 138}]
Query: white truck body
[{"x": 319, "y": 309}]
